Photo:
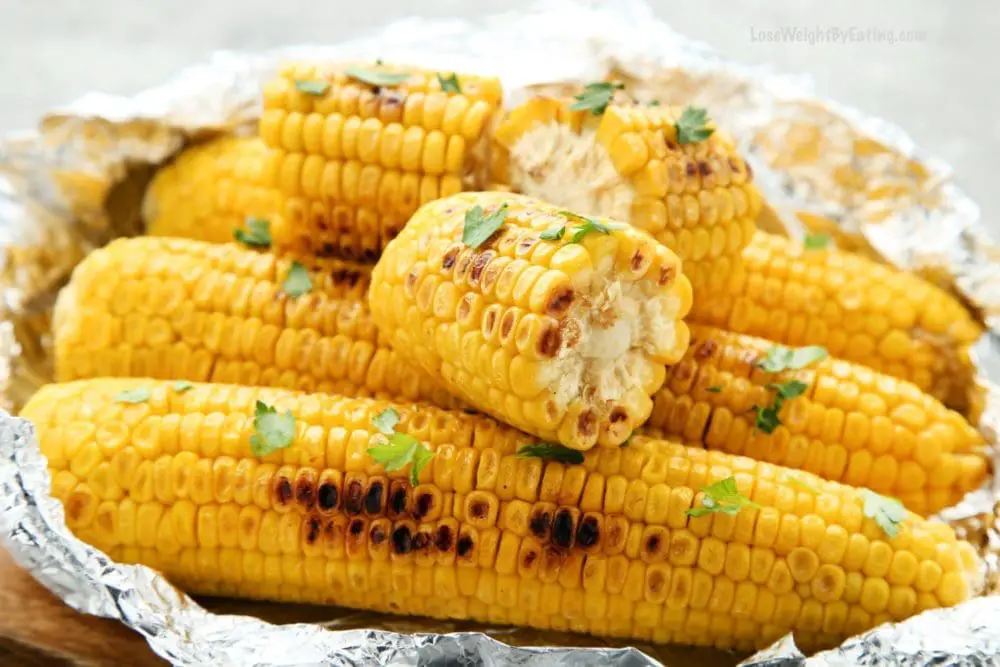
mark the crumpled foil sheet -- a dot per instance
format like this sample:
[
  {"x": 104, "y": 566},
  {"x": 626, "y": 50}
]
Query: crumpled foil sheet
[{"x": 76, "y": 182}]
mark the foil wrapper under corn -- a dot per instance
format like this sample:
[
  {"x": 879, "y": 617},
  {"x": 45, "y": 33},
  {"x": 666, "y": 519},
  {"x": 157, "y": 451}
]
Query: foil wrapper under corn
[{"x": 77, "y": 181}]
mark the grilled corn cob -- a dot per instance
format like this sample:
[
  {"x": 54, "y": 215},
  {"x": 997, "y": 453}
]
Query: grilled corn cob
[
  {"x": 861, "y": 311},
  {"x": 563, "y": 337},
  {"x": 210, "y": 189},
  {"x": 605, "y": 547},
  {"x": 851, "y": 425},
  {"x": 356, "y": 160},
  {"x": 627, "y": 164},
  {"x": 179, "y": 309}
]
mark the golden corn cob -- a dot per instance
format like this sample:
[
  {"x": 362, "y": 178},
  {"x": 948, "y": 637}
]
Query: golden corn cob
[
  {"x": 626, "y": 164},
  {"x": 355, "y": 161},
  {"x": 210, "y": 189},
  {"x": 179, "y": 309},
  {"x": 606, "y": 547},
  {"x": 564, "y": 339},
  {"x": 851, "y": 425},
  {"x": 861, "y": 311}
]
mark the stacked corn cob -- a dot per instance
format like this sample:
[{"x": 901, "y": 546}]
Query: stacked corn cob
[{"x": 563, "y": 325}]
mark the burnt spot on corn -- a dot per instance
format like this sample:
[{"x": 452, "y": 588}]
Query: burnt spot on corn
[
  {"x": 653, "y": 545},
  {"x": 638, "y": 259},
  {"x": 421, "y": 540},
  {"x": 374, "y": 497},
  {"x": 672, "y": 145},
  {"x": 423, "y": 505},
  {"x": 305, "y": 492},
  {"x": 527, "y": 242},
  {"x": 479, "y": 510},
  {"x": 370, "y": 255},
  {"x": 376, "y": 534},
  {"x": 549, "y": 342},
  {"x": 443, "y": 538},
  {"x": 356, "y": 527},
  {"x": 691, "y": 169},
  {"x": 326, "y": 250},
  {"x": 618, "y": 415},
  {"x": 465, "y": 307},
  {"x": 560, "y": 301},
  {"x": 482, "y": 259},
  {"x": 586, "y": 423},
  {"x": 330, "y": 531},
  {"x": 655, "y": 582},
  {"x": 529, "y": 557},
  {"x": 589, "y": 533},
  {"x": 327, "y": 496},
  {"x": 411, "y": 279},
  {"x": 313, "y": 529},
  {"x": 507, "y": 323},
  {"x": 397, "y": 501},
  {"x": 684, "y": 370},
  {"x": 464, "y": 546},
  {"x": 562, "y": 529},
  {"x": 490, "y": 320},
  {"x": 464, "y": 261},
  {"x": 704, "y": 168},
  {"x": 540, "y": 524},
  {"x": 283, "y": 490},
  {"x": 705, "y": 350},
  {"x": 402, "y": 541},
  {"x": 667, "y": 274},
  {"x": 354, "y": 497},
  {"x": 448, "y": 260}
]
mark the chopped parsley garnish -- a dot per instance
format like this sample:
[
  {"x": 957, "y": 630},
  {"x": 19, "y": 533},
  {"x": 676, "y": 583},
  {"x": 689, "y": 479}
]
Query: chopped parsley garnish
[
  {"x": 766, "y": 418},
  {"x": 554, "y": 233},
  {"x": 181, "y": 386},
  {"x": 450, "y": 84},
  {"x": 401, "y": 450},
  {"x": 137, "y": 395},
  {"x": 816, "y": 241},
  {"x": 790, "y": 389},
  {"x": 780, "y": 358},
  {"x": 553, "y": 452},
  {"x": 591, "y": 226},
  {"x": 377, "y": 78},
  {"x": 654, "y": 103},
  {"x": 724, "y": 497},
  {"x": 479, "y": 226},
  {"x": 795, "y": 481},
  {"x": 297, "y": 282},
  {"x": 714, "y": 389},
  {"x": 312, "y": 87},
  {"x": 272, "y": 431},
  {"x": 596, "y": 97},
  {"x": 888, "y": 513},
  {"x": 692, "y": 126},
  {"x": 257, "y": 233}
]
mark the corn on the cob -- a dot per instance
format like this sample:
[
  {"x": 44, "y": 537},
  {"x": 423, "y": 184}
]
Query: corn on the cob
[
  {"x": 210, "y": 189},
  {"x": 179, "y": 309},
  {"x": 627, "y": 164},
  {"x": 563, "y": 337},
  {"x": 861, "y": 311},
  {"x": 356, "y": 160},
  {"x": 605, "y": 547},
  {"x": 851, "y": 425}
]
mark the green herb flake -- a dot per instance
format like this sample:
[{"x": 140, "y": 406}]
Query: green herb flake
[
  {"x": 257, "y": 233},
  {"x": 780, "y": 358},
  {"x": 377, "y": 78},
  {"x": 766, "y": 419},
  {"x": 795, "y": 481},
  {"x": 692, "y": 126},
  {"x": 790, "y": 389},
  {"x": 551, "y": 452},
  {"x": 724, "y": 497},
  {"x": 554, "y": 233},
  {"x": 816, "y": 241},
  {"x": 596, "y": 97},
  {"x": 591, "y": 226},
  {"x": 137, "y": 395},
  {"x": 480, "y": 226},
  {"x": 888, "y": 513},
  {"x": 654, "y": 103},
  {"x": 402, "y": 449},
  {"x": 714, "y": 389},
  {"x": 450, "y": 84},
  {"x": 312, "y": 87},
  {"x": 272, "y": 431},
  {"x": 181, "y": 386},
  {"x": 297, "y": 282}
]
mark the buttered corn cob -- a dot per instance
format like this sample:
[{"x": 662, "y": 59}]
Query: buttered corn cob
[
  {"x": 210, "y": 189},
  {"x": 172, "y": 308},
  {"x": 627, "y": 164},
  {"x": 355, "y": 160},
  {"x": 851, "y": 424},
  {"x": 556, "y": 324},
  {"x": 861, "y": 311},
  {"x": 606, "y": 547}
]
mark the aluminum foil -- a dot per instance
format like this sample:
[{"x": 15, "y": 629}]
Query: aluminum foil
[{"x": 76, "y": 182}]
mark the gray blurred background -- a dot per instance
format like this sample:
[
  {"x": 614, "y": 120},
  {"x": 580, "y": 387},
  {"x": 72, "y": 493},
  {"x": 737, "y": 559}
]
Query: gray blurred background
[{"x": 939, "y": 86}]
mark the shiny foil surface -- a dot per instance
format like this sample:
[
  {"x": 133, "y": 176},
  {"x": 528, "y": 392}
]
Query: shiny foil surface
[{"x": 77, "y": 180}]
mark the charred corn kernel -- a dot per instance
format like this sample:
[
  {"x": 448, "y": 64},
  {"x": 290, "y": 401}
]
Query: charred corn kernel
[
  {"x": 568, "y": 355},
  {"x": 354, "y": 162},
  {"x": 831, "y": 415},
  {"x": 889, "y": 320},
  {"x": 209, "y": 190},
  {"x": 697, "y": 199},
  {"x": 180, "y": 309},
  {"x": 348, "y": 533}
]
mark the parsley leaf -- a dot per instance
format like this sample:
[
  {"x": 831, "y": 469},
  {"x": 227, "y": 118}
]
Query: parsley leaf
[
  {"x": 723, "y": 496},
  {"x": 297, "y": 282},
  {"x": 312, "y": 87},
  {"x": 888, "y": 513},
  {"x": 554, "y": 452},
  {"x": 816, "y": 241},
  {"x": 553, "y": 233},
  {"x": 790, "y": 389},
  {"x": 181, "y": 386},
  {"x": 780, "y": 358},
  {"x": 271, "y": 430},
  {"x": 256, "y": 235},
  {"x": 137, "y": 395},
  {"x": 714, "y": 389},
  {"x": 590, "y": 226},
  {"x": 479, "y": 226},
  {"x": 401, "y": 450},
  {"x": 654, "y": 103},
  {"x": 766, "y": 419},
  {"x": 450, "y": 84},
  {"x": 596, "y": 97},
  {"x": 795, "y": 481},
  {"x": 376, "y": 77},
  {"x": 691, "y": 126}
]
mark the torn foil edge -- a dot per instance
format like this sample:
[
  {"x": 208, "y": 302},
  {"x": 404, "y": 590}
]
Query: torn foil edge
[{"x": 569, "y": 41}]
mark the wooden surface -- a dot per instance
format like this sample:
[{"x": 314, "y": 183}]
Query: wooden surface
[{"x": 38, "y": 630}]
